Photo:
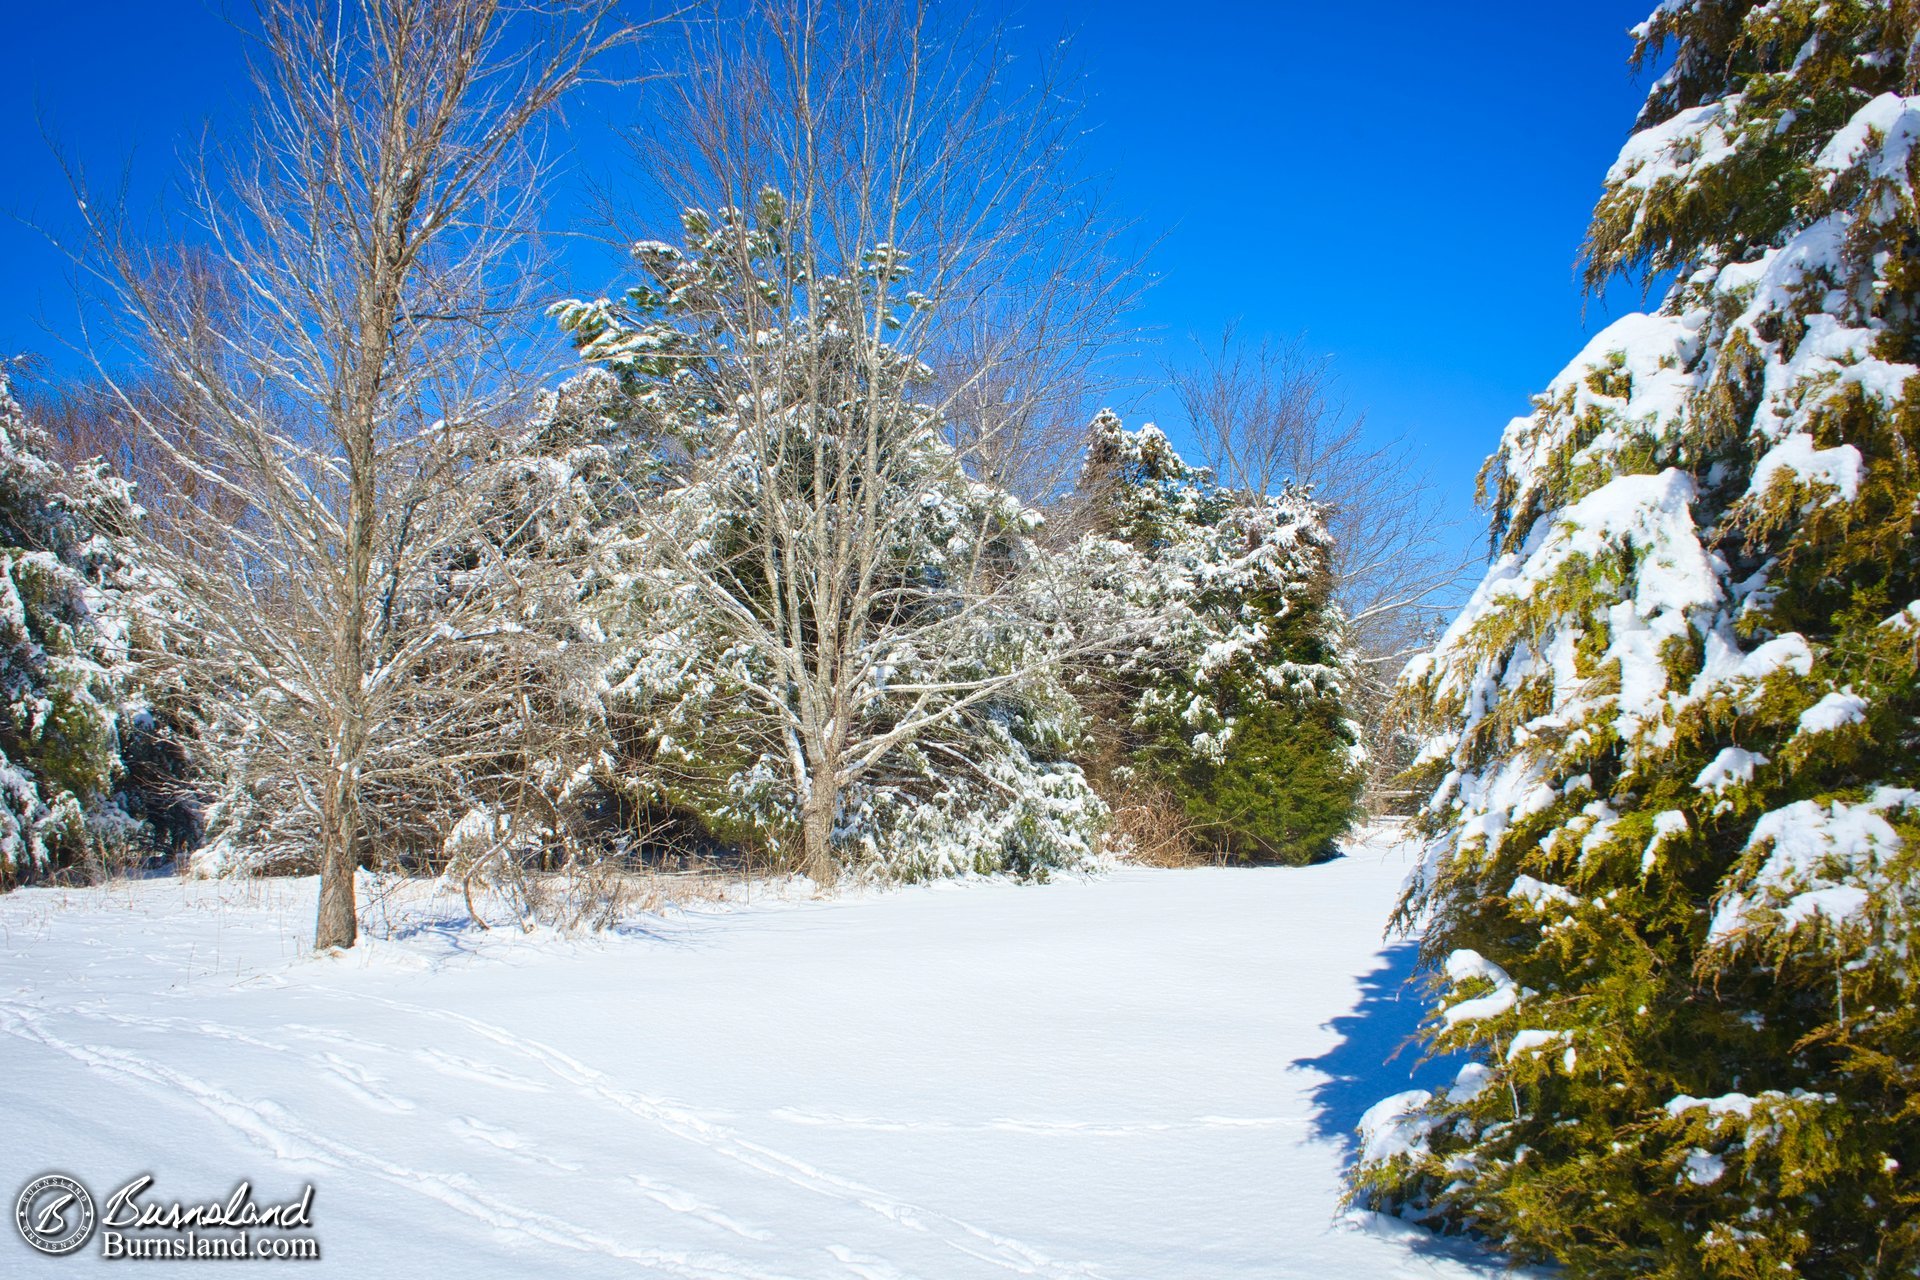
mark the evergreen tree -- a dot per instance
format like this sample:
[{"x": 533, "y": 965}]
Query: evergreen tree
[
  {"x": 1232, "y": 698},
  {"x": 70, "y": 701},
  {"x": 1671, "y": 894},
  {"x": 826, "y": 620}
]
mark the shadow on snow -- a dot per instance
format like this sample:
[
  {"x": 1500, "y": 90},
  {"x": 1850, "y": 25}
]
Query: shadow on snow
[{"x": 1379, "y": 1051}]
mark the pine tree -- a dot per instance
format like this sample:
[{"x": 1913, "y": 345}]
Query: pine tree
[
  {"x": 1670, "y": 897},
  {"x": 1233, "y": 696},
  {"x": 70, "y": 700},
  {"x": 836, "y": 647}
]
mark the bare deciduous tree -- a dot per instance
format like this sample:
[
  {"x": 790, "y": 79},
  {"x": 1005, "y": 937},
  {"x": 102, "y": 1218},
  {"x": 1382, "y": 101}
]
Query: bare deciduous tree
[
  {"x": 86, "y": 420},
  {"x": 369, "y": 243},
  {"x": 919, "y": 126},
  {"x": 1265, "y": 413},
  {"x": 891, "y": 245}
]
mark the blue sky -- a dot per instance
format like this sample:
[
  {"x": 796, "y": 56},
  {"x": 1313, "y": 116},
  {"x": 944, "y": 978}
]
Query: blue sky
[
  {"x": 1406, "y": 184},
  {"x": 1403, "y": 183}
]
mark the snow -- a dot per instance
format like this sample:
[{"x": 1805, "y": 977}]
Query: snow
[
  {"x": 1704, "y": 1168},
  {"x": 1480, "y": 1008},
  {"x": 1789, "y": 652},
  {"x": 1734, "y": 766},
  {"x": 1835, "y": 710},
  {"x": 1533, "y": 1042},
  {"x": 1469, "y": 1081},
  {"x": 1837, "y": 903},
  {"x": 1896, "y": 122},
  {"x": 1738, "y": 1104},
  {"x": 1838, "y": 469},
  {"x": 1465, "y": 966},
  {"x": 1539, "y": 895},
  {"x": 1394, "y": 1126},
  {"x": 1735, "y": 1111},
  {"x": 1822, "y": 861},
  {"x": 1667, "y": 824},
  {"x": 1677, "y": 150},
  {"x": 1119, "y": 1076},
  {"x": 1651, "y": 514}
]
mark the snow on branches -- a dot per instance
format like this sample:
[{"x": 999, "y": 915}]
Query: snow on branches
[
  {"x": 1233, "y": 687},
  {"x": 840, "y": 647},
  {"x": 71, "y": 607},
  {"x": 1671, "y": 778}
]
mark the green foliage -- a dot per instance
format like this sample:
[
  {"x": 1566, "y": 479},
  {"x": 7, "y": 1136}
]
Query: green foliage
[
  {"x": 69, "y": 703},
  {"x": 1283, "y": 791},
  {"x": 1671, "y": 906},
  {"x": 1234, "y": 697}
]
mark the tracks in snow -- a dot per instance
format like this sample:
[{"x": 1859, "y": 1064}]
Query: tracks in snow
[
  {"x": 273, "y": 1127},
  {"x": 688, "y": 1124}
]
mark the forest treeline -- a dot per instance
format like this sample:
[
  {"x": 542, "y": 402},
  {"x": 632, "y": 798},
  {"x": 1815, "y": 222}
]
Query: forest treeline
[{"x": 809, "y": 546}]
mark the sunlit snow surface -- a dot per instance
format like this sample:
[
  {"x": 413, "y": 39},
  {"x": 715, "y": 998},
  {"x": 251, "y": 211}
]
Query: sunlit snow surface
[{"x": 1148, "y": 1074}]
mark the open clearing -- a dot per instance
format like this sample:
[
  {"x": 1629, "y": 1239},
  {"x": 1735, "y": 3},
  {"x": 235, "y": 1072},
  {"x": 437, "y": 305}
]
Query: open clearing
[{"x": 1146, "y": 1074}]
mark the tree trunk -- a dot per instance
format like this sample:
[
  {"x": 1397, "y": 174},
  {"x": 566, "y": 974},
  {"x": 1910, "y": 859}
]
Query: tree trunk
[
  {"x": 337, "y": 924},
  {"x": 817, "y": 815}
]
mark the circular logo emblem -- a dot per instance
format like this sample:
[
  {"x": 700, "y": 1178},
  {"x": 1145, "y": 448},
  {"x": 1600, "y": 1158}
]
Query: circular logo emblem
[{"x": 54, "y": 1214}]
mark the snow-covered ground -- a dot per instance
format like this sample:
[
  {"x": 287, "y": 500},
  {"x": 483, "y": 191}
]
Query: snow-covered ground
[{"x": 1149, "y": 1074}]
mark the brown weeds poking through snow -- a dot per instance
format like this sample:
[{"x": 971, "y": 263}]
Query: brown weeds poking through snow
[
  {"x": 1150, "y": 828},
  {"x": 495, "y": 894},
  {"x": 598, "y": 895}
]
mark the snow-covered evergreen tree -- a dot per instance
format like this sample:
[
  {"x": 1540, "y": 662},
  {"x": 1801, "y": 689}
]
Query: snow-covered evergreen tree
[
  {"x": 1673, "y": 877},
  {"x": 70, "y": 696},
  {"x": 547, "y": 782},
  {"x": 841, "y": 649},
  {"x": 1231, "y": 695}
]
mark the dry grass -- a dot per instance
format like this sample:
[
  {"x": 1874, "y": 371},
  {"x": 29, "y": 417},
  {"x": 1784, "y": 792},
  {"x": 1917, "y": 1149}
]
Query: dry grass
[
  {"x": 587, "y": 894},
  {"x": 659, "y": 890},
  {"x": 580, "y": 895},
  {"x": 1150, "y": 828}
]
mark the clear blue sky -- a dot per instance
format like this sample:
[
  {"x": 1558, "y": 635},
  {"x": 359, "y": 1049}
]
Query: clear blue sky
[{"x": 1405, "y": 183}]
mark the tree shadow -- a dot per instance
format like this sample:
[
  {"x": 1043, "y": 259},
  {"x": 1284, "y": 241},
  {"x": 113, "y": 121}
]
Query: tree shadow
[{"x": 1379, "y": 1051}]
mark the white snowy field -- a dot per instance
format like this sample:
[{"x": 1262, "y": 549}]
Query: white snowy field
[{"x": 1145, "y": 1074}]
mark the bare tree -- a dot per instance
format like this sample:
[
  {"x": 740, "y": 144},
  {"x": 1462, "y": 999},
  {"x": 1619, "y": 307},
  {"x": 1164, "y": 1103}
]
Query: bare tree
[
  {"x": 915, "y": 125},
  {"x": 1265, "y": 413},
  {"x": 886, "y": 251},
  {"x": 86, "y": 421},
  {"x": 327, "y": 365}
]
